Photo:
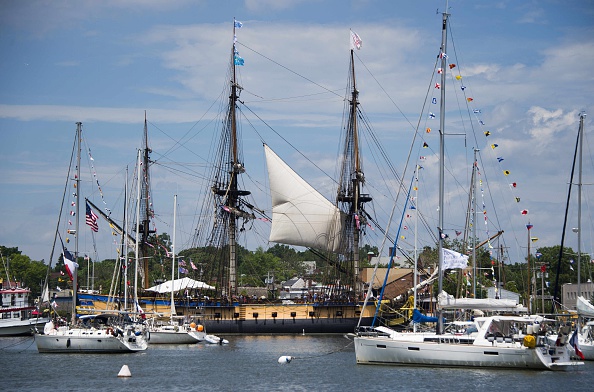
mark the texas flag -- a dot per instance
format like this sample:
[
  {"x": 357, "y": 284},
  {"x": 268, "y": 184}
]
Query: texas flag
[
  {"x": 69, "y": 263},
  {"x": 140, "y": 311},
  {"x": 574, "y": 341}
]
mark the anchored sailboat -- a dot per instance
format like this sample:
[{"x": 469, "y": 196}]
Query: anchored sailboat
[
  {"x": 494, "y": 341},
  {"x": 107, "y": 332},
  {"x": 175, "y": 331}
]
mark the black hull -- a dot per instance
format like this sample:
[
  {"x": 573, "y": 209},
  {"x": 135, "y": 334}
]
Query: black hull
[
  {"x": 277, "y": 318},
  {"x": 285, "y": 326}
]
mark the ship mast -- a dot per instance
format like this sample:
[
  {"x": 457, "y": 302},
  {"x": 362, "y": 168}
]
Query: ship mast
[
  {"x": 145, "y": 207},
  {"x": 350, "y": 199},
  {"x": 228, "y": 189}
]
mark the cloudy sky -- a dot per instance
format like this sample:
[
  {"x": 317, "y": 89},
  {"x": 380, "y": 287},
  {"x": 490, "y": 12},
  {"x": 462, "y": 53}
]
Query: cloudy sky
[{"x": 527, "y": 66}]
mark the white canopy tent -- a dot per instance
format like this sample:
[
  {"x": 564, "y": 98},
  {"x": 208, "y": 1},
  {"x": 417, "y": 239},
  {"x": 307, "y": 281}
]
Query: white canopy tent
[{"x": 180, "y": 284}]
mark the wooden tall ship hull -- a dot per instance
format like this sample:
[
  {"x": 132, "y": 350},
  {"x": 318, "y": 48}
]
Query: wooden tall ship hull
[{"x": 253, "y": 318}]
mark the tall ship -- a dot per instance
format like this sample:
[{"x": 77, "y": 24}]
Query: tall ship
[{"x": 301, "y": 216}]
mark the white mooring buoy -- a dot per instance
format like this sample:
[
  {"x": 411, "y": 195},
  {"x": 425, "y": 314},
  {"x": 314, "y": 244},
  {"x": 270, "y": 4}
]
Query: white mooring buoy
[
  {"x": 285, "y": 359},
  {"x": 124, "y": 372}
]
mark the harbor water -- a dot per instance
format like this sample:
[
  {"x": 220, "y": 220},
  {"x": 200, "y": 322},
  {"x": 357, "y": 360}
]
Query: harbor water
[{"x": 250, "y": 363}]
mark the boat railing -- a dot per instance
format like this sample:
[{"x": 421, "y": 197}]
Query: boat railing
[{"x": 370, "y": 332}]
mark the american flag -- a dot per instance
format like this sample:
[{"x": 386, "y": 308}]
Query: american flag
[{"x": 91, "y": 219}]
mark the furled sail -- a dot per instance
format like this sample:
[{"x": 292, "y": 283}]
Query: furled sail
[
  {"x": 584, "y": 307},
  {"x": 301, "y": 216}
]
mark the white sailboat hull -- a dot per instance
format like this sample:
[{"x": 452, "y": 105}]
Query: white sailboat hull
[
  {"x": 172, "y": 337},
  {"x": 393, "y": 351},
  {"x": 515, "y": 342},
  {"x": 82, "y": 340}
]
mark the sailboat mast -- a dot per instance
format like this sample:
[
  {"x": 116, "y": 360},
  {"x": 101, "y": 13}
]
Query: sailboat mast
[
  {"x": 416, "y": 252},
  {"x": 124, "y": 254},
  {"x": 474, "y": 221},
  {"x": 77, "y": 220},
  {"x": 443, "y": 51},
  {"x": 173, "y": 258},
  {"x": 579, "y": 217}
]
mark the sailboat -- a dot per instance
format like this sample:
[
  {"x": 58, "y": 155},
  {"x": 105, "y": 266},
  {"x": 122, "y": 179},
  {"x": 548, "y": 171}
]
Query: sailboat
[
  {"x": 112, "y": 332},
  {"x": 173, "y": 332},
  {"x": 515, "y": 342},
  {"x": 179, "y": 329},
  {"x": 311, "y": 221}
]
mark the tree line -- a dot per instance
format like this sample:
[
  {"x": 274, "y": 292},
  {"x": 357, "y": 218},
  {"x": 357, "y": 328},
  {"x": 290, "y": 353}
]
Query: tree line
[{"x": 282, "y": 262}]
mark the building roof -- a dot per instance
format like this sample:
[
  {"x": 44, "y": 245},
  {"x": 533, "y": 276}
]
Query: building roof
[{"x": 395, "y": 274}]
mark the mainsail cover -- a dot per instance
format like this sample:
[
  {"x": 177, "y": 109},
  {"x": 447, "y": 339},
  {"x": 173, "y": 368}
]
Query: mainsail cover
[
  {"x": 584, "y": 307},
  {"x": 447, "y": 301},
  {"x": 301, "y": 216}
]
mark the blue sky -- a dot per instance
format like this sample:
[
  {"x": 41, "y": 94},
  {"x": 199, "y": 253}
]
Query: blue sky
[{"x": 527, "y": 66}]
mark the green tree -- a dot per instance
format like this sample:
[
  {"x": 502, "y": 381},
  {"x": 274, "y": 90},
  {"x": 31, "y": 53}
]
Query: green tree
[
  {"x": 364, "y": 251},
  {"x": 22, "y": 269}
]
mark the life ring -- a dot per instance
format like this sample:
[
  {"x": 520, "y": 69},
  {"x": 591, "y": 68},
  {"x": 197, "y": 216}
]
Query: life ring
[{"x": 110, "y": 331}]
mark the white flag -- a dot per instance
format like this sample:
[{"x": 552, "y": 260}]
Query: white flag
[
  {"x": 453, "y": 259},
  {"x": 356, "y": 41}
]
